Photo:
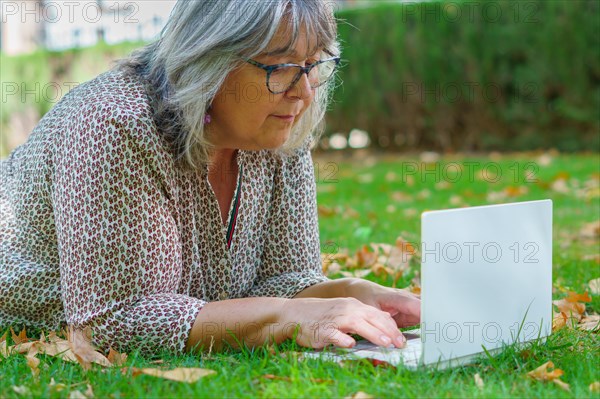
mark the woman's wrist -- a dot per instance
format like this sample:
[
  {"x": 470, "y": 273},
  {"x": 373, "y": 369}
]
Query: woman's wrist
[{"x": 363, "y": 290}]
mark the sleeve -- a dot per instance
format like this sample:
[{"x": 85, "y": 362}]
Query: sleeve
[
  {"x": 119, "y": 246},
  {"x": 291, "y": 258}
]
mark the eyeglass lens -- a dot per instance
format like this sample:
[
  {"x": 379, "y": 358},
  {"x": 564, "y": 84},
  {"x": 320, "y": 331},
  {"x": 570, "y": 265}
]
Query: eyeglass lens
[{"x": 281, "y": 79}]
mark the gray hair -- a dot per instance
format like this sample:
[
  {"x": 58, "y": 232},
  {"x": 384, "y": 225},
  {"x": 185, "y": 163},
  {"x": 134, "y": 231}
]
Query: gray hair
[{"x": 202, "y": 43}]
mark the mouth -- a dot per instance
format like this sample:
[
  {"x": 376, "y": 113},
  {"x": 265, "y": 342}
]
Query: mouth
[{"x": 285, "y": 118}]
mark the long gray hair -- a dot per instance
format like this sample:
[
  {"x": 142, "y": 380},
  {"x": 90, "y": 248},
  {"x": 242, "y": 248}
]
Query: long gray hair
[{"x": 202, "y": 43}]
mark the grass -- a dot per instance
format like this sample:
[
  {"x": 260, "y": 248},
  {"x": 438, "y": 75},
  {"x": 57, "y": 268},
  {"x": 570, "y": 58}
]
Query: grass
[{"x": 367, "y": 185}]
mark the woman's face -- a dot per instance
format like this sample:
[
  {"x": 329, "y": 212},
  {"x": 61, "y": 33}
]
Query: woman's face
[{"x": 247, "y": 116}]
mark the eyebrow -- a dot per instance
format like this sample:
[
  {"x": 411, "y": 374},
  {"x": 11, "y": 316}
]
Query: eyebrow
[{"x": 284, "y": 51}]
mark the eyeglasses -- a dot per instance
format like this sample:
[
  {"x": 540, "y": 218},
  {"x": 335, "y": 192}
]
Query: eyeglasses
[{"x": 281, "y": 77}]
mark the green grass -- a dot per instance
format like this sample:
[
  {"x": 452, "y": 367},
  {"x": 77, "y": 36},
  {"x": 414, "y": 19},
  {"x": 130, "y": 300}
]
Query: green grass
[{"x": 240, "y": 374}]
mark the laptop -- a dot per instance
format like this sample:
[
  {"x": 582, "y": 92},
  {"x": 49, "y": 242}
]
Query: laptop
[{"x": 486, "y": 282}]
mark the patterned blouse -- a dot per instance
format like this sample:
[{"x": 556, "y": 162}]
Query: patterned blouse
[{"x": 99, "y": 227}]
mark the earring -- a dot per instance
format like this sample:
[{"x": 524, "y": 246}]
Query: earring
[{"x": 207, "y": 117}]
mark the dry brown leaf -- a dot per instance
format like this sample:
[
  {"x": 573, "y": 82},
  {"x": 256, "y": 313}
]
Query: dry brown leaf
[
  {"x": 575, "y": 297},
  {"x": 181, "y": 374},
  {"x": 56, "y": 387},
  {"x": 365, "y": 257},
  {"x": 276, "y": 377},
  {"x": 590, "y": 323},
  {"x": 77, "y": 395},
  {"x": 594, "y": 386},
  {"x": 399, "y": 196},
  {"x": 21, "y": 348},
  {"x": 22, "y": 390},
  {"x": 478, "y": 381},
  {"x": 594, "y": 286},
  {"x": 381, "y": 271},
  {"x": 359, "y": 395},
  {"x": 3, "y": 346},
  {"x": 590, "y": 230},
  {"x": 543, "y": 374},
  {"x": 22, "y": 337},
  {"x": 559, "y": 321},
  {"x": 116, "y": 358},
  {"x": 515, "y": 191},
  {"x": 326, "y": 211},
  {"x": 414, "y": 289},
  {"x": 358, "y": 273},
  {"x": 32, "y": 361},
  {"x": 560, "y": 186},
  {"x": 562, "y": 385},
  {"x": 85, "y": 353},
  {"x": 570, "y": 309}
]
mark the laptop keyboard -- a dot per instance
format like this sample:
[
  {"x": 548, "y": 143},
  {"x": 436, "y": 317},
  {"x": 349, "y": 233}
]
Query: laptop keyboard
[{"x": 410, "y": 355}]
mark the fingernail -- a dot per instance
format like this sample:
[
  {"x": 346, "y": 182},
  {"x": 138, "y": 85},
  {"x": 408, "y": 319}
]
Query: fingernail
[
  {"x": 401, "y": 341},
  {"x": 386, "y": 340},
  {"x": 347, "y": 341}
]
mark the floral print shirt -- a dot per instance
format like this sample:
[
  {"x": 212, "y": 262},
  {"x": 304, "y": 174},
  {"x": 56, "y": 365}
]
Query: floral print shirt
[{"x": 99, "y": 228}]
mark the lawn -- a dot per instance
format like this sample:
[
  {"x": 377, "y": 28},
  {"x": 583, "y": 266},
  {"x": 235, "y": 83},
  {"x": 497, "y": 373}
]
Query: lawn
[{"x": 375, "y": 199}]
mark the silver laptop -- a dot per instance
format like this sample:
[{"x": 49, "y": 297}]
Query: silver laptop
[{"x": 486, "y": 276}]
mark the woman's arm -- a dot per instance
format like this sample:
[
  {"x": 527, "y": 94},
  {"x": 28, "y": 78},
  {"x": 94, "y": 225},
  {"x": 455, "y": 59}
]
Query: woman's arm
[
  {"x": 314, "y": 322},
  {"x": 120, "y": 255}
]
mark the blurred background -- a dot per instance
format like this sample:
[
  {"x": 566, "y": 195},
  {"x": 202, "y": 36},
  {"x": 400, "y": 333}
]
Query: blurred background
[{"x": 444, "y": 76}]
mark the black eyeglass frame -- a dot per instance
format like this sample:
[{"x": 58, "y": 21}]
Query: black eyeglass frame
[{"x": 270, "y": 68}]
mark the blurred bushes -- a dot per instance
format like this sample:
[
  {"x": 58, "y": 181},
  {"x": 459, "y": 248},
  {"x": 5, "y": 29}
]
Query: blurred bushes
[
  {"x": 502, "y": 75},
  {"x": 473, "y": 75},
  {"x": 33, "y": 83}
]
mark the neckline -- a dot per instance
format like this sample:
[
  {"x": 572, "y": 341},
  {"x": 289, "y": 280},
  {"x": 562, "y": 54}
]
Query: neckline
[{"x": 228, "y": 229}]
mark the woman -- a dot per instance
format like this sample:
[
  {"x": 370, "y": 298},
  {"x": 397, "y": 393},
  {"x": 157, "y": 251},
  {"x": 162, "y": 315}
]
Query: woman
[{"x": 170, "y": 202}]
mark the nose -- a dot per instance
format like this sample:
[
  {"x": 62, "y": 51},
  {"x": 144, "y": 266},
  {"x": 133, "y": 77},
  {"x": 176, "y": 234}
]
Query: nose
[{"x": 301, "y": 89}]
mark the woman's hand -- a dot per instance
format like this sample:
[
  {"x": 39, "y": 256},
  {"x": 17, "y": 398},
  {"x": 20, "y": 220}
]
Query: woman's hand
[
  {"x": 329, "y": 321},
  {"x": 403, "y": 306}
]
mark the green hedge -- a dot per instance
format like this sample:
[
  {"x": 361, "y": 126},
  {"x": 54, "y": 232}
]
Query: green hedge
[{"x": 472, "y": 75}]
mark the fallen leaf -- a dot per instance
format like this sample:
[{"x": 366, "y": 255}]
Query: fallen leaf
[
  {"x": 21, "y": 338},
  {"x": 590, "y": 323},
  {"x": 570, "y": 308},
  {"x": 590, "y": 230},
  {"x": 415, "y": 290},
  {"x": 116, "y": 358},
  {"x": 543, "y": 374},
  {"x": 381, "y": 271},
  {"x": 359, "y": 395},
  {"x": 365, "y": 257},
  {"x": 380, "y": 363},
  {"x": 56, "y": 387},
  {"x": 575, "y": 297},
  {"x": 77, "y": 395},
  {"x": 3, "y": 346},
  {"x": 562, "y": 385},
  {"x": 359, "y": 273},
  {"x": 560, "y": 186},
  {"x": 594, "y": 386},
  {"x": 326, "y": 211},
  {"x": 515, "y": 191},
  {"x": 276, "y": 377},
  {"x": 85, "y": 353},
  {"x": 180, "y": 374},
  {"x": 478, "y": 381},
  {"x": 21, "y": 390},
  {"x": 559, "y": 321},
  {"x": 496, "y": 196},
  {"x": 33, "y": 362},
  {"x": 594, "y": 286},
  {"x": 400, "y": 196}
]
